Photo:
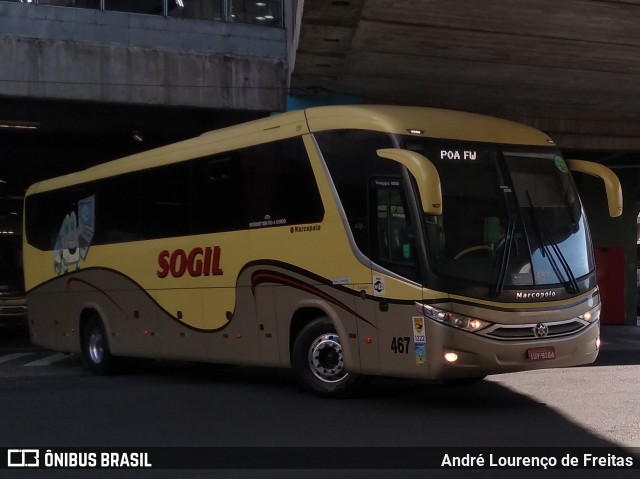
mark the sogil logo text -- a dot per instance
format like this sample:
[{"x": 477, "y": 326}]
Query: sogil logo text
[{"x": 197, "y": 262}]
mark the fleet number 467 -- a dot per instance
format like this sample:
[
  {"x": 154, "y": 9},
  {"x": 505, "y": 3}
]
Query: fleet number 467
[{"x": 400, "y": 344}]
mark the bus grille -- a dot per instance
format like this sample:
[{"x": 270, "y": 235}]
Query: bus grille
[{"x": 526, "y": 331}]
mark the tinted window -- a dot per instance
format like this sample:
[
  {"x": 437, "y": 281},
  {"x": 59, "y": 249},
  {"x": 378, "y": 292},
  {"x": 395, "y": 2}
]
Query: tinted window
[
  {"x": 261, "y": 186},
  {"x": 352, "y": 160},
  {"x": 394, "y": 245},
  {"x": 282, "y": 186}
]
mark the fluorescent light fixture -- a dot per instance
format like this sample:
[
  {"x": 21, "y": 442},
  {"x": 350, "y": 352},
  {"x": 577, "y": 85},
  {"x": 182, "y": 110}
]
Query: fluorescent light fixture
[
  {"x": 19, "y": 125},
  {"x": 136, "y": 135}
]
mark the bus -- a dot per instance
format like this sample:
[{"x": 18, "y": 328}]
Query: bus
[
  {"x": 13, "y": 305},
  {"x": 343, "y": 242}
]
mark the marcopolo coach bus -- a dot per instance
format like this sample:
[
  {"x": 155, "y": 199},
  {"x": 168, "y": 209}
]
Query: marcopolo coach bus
[{"x": 343, "y": 241}]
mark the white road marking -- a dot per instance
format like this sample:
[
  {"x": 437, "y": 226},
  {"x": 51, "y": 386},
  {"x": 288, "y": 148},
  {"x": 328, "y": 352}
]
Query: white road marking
[
  {"x": 10, "y": 357},
  {"x": 48, "y": 360}
]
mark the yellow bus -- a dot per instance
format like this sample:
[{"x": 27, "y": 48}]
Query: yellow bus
[{"x": 343, "y": 242}]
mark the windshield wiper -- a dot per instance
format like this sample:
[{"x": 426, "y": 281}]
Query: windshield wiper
[
  {"x": 543, "y": 233},
  {"x": 506, "y": 254}
]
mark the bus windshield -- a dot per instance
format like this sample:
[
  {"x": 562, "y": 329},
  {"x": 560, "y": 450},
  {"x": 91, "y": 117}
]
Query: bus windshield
[{"x": 511, "y": 218}]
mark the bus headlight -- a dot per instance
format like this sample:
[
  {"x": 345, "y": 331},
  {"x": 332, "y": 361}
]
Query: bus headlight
[
  {"x": 591, "y": 316},
  {"x": 452, "y": 319}
]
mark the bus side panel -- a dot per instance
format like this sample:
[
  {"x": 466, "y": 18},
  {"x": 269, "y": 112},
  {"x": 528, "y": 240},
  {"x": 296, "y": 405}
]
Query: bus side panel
[
  {"x": 283, "y": 293},
  {"x": 56, "y": 308},
  {"x": 368, "y": 330},
  {"x": 128, "y": 314},
  {"x": 402, "y": 345},
  {"x": 236, "y": 342},
  {"x": 135, "y": 323},
  {"x": 267, "y": 324},
  {"x": 395, "y": 343},
  {"x": 289, "y": 300},
  {"x": 52, "y": 324}
]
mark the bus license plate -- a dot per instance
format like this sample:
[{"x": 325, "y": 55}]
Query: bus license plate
[{"x": 541, "y": 354}]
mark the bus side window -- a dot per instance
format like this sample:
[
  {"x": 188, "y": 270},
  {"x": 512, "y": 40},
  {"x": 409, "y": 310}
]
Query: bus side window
[
  {"x": 219, "y": 194},
  {"x": 218, "y": 170},
  {"x": 352, "y": 160},
  {"x": 394, "y": 239}
]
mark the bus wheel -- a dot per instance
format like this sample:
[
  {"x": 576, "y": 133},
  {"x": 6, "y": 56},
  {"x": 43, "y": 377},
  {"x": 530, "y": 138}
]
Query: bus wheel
[
  {"x": 318, "y": 361},
  {"x": 95, "y": 348}
]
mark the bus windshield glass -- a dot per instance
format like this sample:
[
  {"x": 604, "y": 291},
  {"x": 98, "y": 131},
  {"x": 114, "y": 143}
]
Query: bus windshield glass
[{"x": 511, "y": 217}]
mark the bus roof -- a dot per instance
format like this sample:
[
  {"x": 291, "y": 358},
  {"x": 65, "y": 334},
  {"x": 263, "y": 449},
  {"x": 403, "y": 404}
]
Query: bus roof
[
  {"x": 431, "y": 122},
  {"x": 427, "y": 122}
]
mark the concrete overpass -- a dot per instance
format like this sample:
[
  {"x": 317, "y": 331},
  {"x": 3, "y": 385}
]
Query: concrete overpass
[
  {"x": 570, "y": 68},
  {"x": 87, "y": 81}
]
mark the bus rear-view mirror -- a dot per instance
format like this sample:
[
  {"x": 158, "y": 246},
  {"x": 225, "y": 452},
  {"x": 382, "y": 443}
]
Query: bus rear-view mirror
[
  {"x": 424, "y": 172},
  {"x": 611, "y": 182}
]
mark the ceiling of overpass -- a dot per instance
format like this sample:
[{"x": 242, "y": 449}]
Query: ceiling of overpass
[
  {"x": 45, "y": 138},
  {"x": 570, "y": 68}
]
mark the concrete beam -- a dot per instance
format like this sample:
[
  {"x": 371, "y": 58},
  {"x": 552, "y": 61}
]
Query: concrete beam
[
  {"x": 125, "y": 74},
  {"x": 116, "y": 57}
]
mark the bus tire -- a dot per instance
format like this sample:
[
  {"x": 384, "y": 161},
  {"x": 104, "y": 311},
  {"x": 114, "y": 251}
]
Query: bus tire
[
  {"x": 96, "y": 354},
  {"x": 318, "y": 362}
]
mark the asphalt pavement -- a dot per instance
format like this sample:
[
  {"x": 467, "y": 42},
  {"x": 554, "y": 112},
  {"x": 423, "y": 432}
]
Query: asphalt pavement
[{"x": 620, "y": 344}]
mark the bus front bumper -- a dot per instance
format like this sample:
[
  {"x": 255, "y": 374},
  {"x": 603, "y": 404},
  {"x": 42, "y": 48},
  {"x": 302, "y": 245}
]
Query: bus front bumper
[
  {"x": 464, "y": 354},
  {"x": 13, "y": 311}
]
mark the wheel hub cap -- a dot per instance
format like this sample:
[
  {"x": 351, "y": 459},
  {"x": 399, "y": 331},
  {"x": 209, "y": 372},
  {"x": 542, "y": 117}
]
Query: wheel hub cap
[
  {"x": 96, "y": 348},
  {"x": 326, "y": 359}
]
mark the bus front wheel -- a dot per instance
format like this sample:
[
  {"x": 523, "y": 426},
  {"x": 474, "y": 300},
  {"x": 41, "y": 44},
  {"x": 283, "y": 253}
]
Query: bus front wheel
[
  {"x": 318, "y": 361},
  {"x": 95, "y": 348}
]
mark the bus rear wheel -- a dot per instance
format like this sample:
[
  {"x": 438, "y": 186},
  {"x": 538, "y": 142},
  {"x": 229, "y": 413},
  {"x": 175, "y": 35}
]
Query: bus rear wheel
[
  {"x": 318, "y": 361},
  {"x": 95, "y": 348}
]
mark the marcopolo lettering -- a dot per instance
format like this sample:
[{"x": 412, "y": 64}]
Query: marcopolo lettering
[
  {"x": 197, "y": 262},
  {"x": 536, "y": 295}
]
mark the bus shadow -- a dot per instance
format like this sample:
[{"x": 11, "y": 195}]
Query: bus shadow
[{"x": 387, "y": 413}]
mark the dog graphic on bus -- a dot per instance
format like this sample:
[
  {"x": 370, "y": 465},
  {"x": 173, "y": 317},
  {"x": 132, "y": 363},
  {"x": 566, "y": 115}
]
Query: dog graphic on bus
[{"x": 74, "y": 238}]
